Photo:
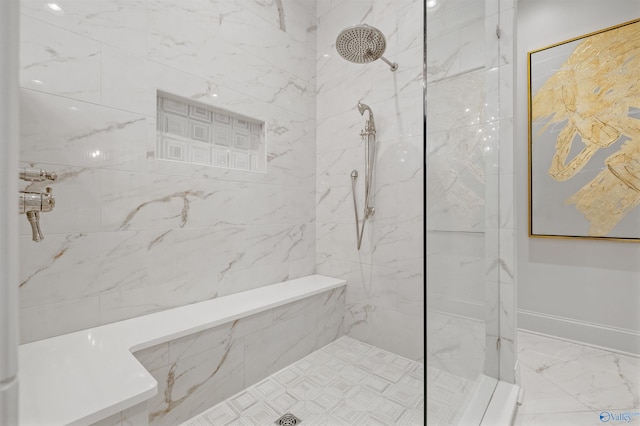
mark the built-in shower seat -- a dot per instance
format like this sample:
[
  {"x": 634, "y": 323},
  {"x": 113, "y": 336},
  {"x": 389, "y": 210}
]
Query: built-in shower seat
[{"x": 86, "y": 376}]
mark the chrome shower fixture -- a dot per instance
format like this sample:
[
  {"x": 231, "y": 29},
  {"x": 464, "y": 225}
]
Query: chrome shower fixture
[
  {"x": 363, "y": 44},
  {"x": 32, "y": 203},
  {"x": 35, "y": 175},
  {"x": 369, "y": 137}
]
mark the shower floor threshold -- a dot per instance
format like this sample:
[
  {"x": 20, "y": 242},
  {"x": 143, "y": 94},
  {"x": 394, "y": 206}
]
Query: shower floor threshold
[
  {"x": 493, "y": 403},
  {"x": 347, "y": 382},
  {"x": 503, "y": 405}
]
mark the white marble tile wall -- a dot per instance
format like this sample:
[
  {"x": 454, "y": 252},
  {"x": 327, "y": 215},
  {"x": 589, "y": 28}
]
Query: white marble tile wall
[
  {"x": 138, "y": 415},
  {"x": 198, "y": 371},
  {"x": 470, "y": 193},
  {"x": 385, "y": 278},
  {"x": 131, "y": 234}
]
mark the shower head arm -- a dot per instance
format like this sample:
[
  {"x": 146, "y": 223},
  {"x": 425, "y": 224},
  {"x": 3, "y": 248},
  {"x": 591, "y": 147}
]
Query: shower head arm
[{"x": 392, "y": 65}]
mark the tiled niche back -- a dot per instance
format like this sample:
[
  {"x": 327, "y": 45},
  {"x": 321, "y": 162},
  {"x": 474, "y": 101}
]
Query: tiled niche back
[{"x": 195, "y": 133}]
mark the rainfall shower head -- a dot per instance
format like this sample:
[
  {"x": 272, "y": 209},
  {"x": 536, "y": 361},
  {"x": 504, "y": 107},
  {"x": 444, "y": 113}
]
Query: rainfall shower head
[{"x": 362, "y": 44}]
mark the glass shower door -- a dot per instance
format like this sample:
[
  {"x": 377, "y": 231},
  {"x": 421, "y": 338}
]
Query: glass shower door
[{"x": 462, "y": 135}]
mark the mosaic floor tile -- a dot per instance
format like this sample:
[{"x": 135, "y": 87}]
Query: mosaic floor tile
[{"x": 345, "y": 383}]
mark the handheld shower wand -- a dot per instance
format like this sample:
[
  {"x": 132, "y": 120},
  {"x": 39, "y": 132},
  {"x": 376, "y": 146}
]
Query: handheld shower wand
[{"x": 369, "y": 137}]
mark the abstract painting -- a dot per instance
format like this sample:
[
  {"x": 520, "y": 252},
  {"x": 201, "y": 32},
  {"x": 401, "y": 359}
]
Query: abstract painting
[{"x": 584, "y": 136}]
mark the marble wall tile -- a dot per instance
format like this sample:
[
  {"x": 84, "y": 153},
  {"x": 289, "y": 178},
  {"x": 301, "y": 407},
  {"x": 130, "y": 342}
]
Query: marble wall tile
[
  {"x": 411, "y": 297},
  {"x": 189, "y": 387},
  {"x": 57, "y": 61},
  {"x": 396, "y": 16},
  {"x": 264, "y": 358},
  {"x": 206, "y": 340},
  {"x": 197, "y": 371},
  {"x": 507, "y": 332},
  {"x": 253, "y": 323},
  {"x": 336, "y": 202},
  {"x": 138, "y": 415},
  {"x": 143, "y": 234},
  {"x": 340, "y": 131},
  {"x": 52, "y": 319},
  {"x": 300, "y": 268},
  {"x": 197, "y": 46},
  {"x": 235, "y": 279},
  {"x": 379, "y": 288},
  {"x": 507, "y": 34},
  {"x": 119, "y": 23},
  {"x": 400, "y": 160},
  {"x": 392, "y": 236},
  {"x": 395, "y": 123},
  {"x": 336, "y": 15},
  {"x": 137, "y": 92},
  {"x": 330, "y": 324},
  {"x": 154, "y": 357},
  {"x": 393, "y": 240},
  {"x": 290, "y": 16},
  {"x": 130, "y": 303},
  {"x": 492, "y": 201},
  {"x": 73, "y": 266},
  {"x": 63, "y": 131},
  {"x": 473, "y": 45},
  {"x": 114, "y": 420},
  {"x": 405, "y": 82},
  {"x": 275, "y": 46},
  {"x": 506, "y": 163},
  {"x": 393, "y": 334},
  {"x": 358, "y": 321},
  {"x": 342, "y": 96}
]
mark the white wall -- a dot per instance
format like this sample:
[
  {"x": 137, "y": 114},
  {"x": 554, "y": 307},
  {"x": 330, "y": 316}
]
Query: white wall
[
  {"x": 131, "y": 234},
  {"x": 582, "y": 290}
]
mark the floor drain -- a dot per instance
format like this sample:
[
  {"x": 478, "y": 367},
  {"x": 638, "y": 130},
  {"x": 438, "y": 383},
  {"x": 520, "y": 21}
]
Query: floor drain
[{"x": 288, "y": 420}]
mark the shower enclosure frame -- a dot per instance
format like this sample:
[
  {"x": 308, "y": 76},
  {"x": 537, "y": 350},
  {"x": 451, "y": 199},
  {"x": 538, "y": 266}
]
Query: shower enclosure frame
[{"x": 9, "y": 136}]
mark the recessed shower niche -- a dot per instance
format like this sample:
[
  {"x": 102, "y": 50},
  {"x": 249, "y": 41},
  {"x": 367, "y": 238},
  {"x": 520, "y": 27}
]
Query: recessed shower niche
[{"x": 196, "y": 133}]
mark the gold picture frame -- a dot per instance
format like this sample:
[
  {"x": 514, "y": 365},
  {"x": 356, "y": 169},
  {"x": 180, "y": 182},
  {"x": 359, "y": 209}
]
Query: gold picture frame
[{"x": 584, "y": 136}]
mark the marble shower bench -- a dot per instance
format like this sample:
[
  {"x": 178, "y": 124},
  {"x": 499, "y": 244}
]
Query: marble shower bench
[{"x": 168, "y": 366}]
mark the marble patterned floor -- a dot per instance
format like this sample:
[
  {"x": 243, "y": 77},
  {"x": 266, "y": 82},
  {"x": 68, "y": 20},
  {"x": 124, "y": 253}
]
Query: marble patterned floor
[
  {"x": 344, "y": 383},
  {"x": 568, "y": 384}
]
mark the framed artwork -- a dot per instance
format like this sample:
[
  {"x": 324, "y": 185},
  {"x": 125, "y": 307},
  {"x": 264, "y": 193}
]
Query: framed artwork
[{"x": 584, "y": 136}]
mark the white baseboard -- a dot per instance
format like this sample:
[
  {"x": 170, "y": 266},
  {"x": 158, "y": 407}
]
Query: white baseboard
[{"x": 615, "y": 339}]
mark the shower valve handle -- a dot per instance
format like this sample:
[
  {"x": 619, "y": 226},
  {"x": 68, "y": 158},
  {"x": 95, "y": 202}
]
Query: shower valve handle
[{"x": 32, "y": 203}]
